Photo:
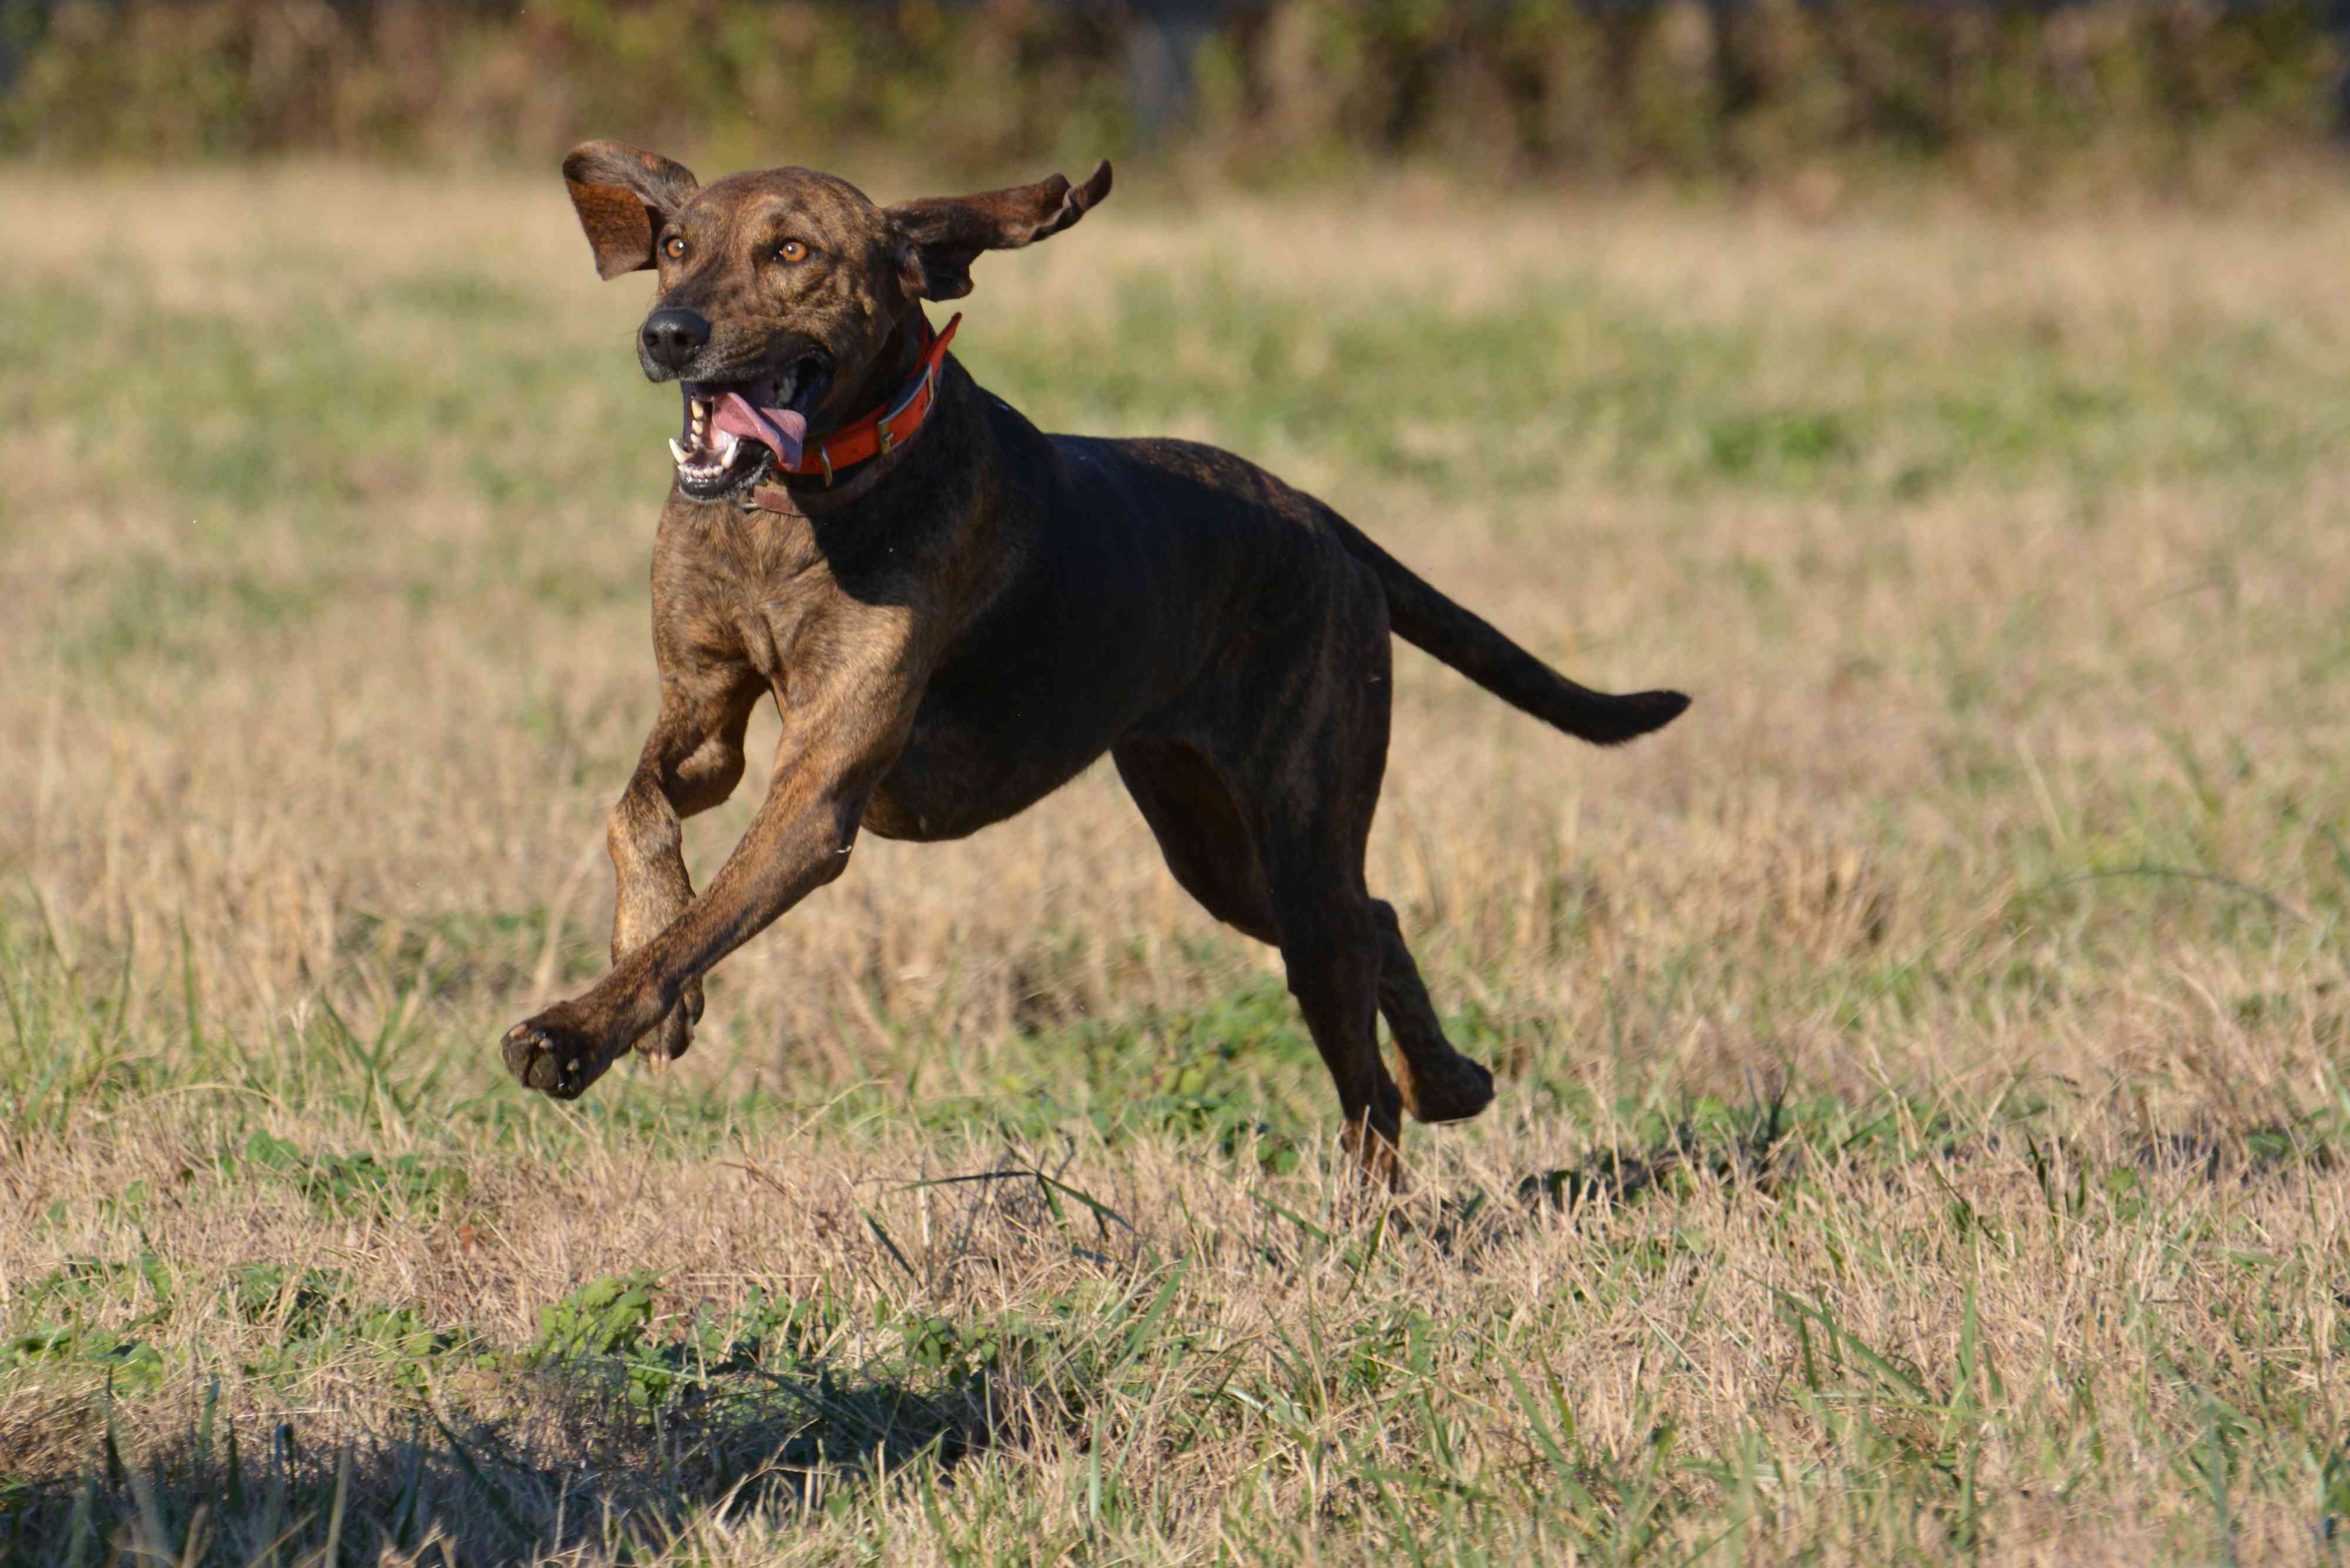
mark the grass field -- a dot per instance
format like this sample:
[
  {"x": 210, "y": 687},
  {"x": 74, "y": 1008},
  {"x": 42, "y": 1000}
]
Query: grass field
[{"x": 1924, "y": 1133}]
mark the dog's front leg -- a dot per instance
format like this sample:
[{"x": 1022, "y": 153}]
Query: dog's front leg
[
  {"x": 836, "y": 744},
  {"x": 691, "y": 762}
]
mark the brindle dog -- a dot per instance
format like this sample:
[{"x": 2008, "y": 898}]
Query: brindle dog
[{"x": 957, "y": 627}]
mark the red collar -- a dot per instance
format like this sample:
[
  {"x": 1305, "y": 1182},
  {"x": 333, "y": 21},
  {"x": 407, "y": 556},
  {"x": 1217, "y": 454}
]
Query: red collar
[{"x": 878, "y": 434}]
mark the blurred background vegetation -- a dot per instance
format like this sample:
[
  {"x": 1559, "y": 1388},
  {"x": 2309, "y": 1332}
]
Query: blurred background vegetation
[{"x": 2016, "y": 100}]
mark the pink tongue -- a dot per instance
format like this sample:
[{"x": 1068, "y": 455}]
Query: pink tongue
[{"x": 780, "y": 430}]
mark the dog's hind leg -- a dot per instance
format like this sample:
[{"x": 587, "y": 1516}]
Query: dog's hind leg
[
  {"x": 1199, "y": 829},
  {"x": 1210, "y": 850},
  {"x": 1305, "y": 895},
  {"x": 1440, "y": 1084},
  {"x": 1330, "y": 946}
]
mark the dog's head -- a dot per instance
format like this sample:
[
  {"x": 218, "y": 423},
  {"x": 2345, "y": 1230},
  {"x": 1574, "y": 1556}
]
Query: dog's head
[{"x": 787, "y": 300}]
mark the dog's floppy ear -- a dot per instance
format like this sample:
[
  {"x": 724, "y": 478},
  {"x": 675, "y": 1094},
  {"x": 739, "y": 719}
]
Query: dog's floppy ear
[
  {"x": 942, "y": 236},
  {"x": 623, "y": 196}
]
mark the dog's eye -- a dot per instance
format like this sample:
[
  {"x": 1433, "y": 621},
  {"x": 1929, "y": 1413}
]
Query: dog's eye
[
  {"x": 673, "y": 247},
  {"x": 791, "y": 250}
]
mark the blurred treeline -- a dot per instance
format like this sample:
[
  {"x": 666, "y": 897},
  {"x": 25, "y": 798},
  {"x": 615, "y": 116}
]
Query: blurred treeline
[{"x": 2168, "y": 91}]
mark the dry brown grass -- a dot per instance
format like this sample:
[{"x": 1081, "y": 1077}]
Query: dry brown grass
[{"x": 2002, "y": 852}]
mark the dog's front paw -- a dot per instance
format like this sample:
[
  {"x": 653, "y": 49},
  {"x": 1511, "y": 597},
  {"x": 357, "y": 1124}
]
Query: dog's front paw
[
  {"x": 556, "y": 1055},
  {"x": 667, "y": 1040}
]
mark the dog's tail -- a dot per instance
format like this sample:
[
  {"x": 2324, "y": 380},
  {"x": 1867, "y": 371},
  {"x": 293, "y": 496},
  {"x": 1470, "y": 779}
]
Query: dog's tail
[{"x": 1435, "y": 625}]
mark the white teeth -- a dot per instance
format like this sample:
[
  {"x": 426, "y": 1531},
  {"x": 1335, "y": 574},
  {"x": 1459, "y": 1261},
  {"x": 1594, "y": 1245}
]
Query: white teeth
[
  {"x": 677, "y": 452},
  {"x": 726, "y": 452}
]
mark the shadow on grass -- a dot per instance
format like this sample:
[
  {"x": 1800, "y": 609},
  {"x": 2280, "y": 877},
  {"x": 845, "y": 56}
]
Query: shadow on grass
[
  {"x": 577, "y": 1464},
  {"x": 1763, "y": 1146},
  {"x": 1616, "y": 1176}
]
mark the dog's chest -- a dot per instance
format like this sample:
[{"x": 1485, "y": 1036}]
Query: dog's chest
[{"x": 751, "y": 592}]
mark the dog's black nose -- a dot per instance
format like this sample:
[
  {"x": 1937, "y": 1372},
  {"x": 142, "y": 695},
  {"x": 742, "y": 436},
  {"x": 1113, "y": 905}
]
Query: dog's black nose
[{"x": 673, "y": 337}]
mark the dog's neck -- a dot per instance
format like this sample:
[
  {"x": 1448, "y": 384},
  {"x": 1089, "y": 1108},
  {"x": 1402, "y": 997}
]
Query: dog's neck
[{"x": 887, "y": 372}]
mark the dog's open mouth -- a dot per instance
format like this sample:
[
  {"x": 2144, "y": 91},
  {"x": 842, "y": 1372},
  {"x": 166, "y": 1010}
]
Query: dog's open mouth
[{"x": 736, "y": 431}]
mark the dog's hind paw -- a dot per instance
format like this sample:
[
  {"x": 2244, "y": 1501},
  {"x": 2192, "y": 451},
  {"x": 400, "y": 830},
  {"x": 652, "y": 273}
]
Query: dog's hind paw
[{"x": 1446, "y": 1091}]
